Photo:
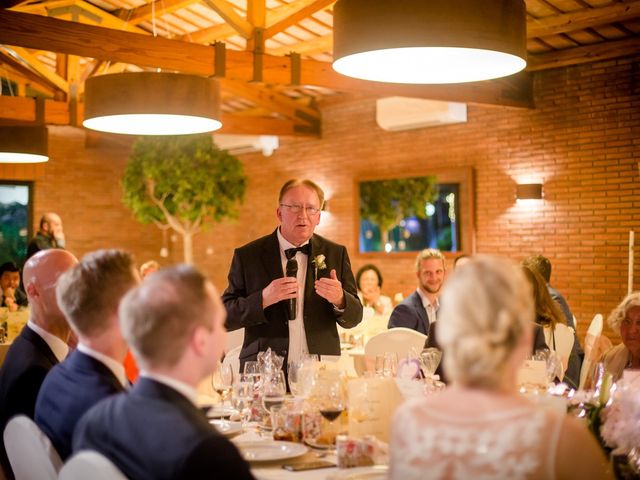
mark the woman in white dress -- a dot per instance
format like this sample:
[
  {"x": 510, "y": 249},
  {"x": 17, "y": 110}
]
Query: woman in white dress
[{"x": 480, "y": 426}]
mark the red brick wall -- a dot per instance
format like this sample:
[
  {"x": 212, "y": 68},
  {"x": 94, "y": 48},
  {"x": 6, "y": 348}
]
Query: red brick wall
[{"x": 582, "y": 141}]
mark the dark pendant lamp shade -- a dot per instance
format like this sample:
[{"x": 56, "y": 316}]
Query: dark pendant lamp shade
[
  {"x": 429, "y": 41},
  {"x": 24, "y": 144},
  {"x": 152, "y": 103}
]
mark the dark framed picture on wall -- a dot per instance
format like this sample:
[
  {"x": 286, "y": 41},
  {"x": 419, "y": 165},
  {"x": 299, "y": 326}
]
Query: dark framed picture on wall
[
  {"x": 405, "y": 214},
  {"x": 16, "y": 220}
]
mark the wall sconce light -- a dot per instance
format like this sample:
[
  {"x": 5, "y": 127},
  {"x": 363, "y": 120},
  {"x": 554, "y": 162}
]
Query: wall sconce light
[
  {"x": 24, "y": 144},
  {"x": 325, "y": 206},
  {"x": 152, "y": 103},
  {"x": 529, "y": 191}
]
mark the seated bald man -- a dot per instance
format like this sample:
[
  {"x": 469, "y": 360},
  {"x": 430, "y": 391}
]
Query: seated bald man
[
  {"x": 174, "y": 324},
  {"x": 89, "y": 295},
  {"x": 41, "y": 344}
]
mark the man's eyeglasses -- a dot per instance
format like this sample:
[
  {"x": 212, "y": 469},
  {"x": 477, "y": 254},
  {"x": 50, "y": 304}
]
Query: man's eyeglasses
[{"x": 298, "y": 208}]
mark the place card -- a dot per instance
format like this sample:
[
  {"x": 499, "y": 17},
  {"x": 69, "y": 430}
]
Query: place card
[
  {"x": 533, "y": 372},
  {"x": 372, "y": 403}
]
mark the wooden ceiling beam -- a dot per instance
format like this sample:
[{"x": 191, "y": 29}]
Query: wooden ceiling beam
[
  {"x": 21, "y": 110},
  {"x": 209, "y": 34},
  {"x": 257, "y": 13},
  {"x": 271, "y": 100},
  {"x": 41, "y": 69},
  {"x": 586, "y": 54},
  {"x": 582, "y": 19},
  {"x": 287, "y": 15},
  {"x": 24, "y": 73},
  {"x": 145, "y": 12},
  {"x": 308, "y": 47},
  {"x": 227, "y": 11},
  {"x": 108, "y": 20},
  {"x": 35, "y": 31}
]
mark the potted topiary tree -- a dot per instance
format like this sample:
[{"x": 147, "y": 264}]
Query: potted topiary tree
[{"x": 182, "y": 182}]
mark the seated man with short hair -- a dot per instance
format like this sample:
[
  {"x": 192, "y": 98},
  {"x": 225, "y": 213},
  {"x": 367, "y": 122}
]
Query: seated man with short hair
[
  {"x": 89, "y": 295},
  {"x": 174, "y": 323}
]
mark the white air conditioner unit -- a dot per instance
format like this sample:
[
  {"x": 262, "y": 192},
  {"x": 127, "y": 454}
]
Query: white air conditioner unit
[
  {"x": 238, "y": 144},
  {"x": 404, "y": 113}
]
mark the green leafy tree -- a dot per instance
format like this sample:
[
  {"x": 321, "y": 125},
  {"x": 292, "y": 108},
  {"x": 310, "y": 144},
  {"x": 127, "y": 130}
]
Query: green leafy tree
[
  {"x": 182, "y": 182},
  {"x": 387, "y": 202}
]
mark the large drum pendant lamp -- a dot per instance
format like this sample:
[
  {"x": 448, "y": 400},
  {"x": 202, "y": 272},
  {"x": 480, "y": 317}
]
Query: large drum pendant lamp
[
  {"x": 429, "y": 41},
  {"x": 24, "y": 144},
  {"x": 152, "y": 103}
]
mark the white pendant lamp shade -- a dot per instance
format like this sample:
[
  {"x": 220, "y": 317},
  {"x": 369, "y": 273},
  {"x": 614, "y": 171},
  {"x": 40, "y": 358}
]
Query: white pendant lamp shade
[
  {"x": 429, "y": 41},
  {"x": 152, "y": 103},
  {"x": 27, "y": 144}
]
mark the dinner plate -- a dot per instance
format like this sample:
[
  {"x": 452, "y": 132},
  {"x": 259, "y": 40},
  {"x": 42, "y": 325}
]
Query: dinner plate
[
  {"x": 375, "y": 472},
  {"x": 268, "y": 450},
  {"x": 218, "y": 411},
  {"x": 226, "y": 428}
]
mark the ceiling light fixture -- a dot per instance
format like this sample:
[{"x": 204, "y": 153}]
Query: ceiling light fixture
[
  {"x": 429, "y": 41},
  {"x": 152, "y": 103},
  {"x": 24, "y": 144}
]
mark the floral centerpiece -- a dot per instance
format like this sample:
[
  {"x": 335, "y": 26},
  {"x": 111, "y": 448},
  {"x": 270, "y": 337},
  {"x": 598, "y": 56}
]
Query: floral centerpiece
[{"x": 620, "y": 427}]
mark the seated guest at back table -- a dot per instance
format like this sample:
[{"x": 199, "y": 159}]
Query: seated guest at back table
[
  {"x": 147, "y": 268},
  {"x": 548, "y": 315},
  {"x": 369, "y": 282},
  {"x": 480, "y": 427},
  {"x": 624, "y": 320},
  {"x": 41, "y": 343},
  {"x": 420, "y": 309},
  {"x": 89, "y": 295},
  {"x": 12, "y": 295},
  {"x": 174, "y": 323}
]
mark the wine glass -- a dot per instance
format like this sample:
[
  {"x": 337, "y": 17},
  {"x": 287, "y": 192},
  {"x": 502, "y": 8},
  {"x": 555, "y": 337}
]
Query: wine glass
[
  {"x": 332, "y": 403},
  {"x": 222, "y": 383},
  {"x": 273, "y": 391},
  {"x": 430, "y": 359},
  {"x": 243, "y": 398}
]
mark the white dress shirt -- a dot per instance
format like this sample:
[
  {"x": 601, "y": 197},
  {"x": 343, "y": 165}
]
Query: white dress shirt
[
  {"x": 57, "y": 346},
  {"x": 298, "y": 347},
  {"x": 428, "y": 306},
  {"x": 116, "y": 367}
]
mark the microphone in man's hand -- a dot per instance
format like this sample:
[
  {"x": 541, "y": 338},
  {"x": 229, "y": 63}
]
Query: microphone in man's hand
[{"x": 292, "y": 271}]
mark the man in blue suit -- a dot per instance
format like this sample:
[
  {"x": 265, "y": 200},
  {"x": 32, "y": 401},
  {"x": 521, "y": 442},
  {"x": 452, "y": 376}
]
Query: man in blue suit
[
  {"x": 420, "y": 309},
  {"x": 42, "y": 343},
  {"x": 89, "y": 295},
  {"x": 174, "y": 324}
]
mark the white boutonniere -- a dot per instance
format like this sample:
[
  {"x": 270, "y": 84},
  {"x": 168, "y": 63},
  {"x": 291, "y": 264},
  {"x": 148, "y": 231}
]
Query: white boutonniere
[{"x": 319, "y": 263}]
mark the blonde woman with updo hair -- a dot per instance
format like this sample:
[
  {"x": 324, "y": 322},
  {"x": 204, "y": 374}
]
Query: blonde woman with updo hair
[{"x": 480, "y": 426}]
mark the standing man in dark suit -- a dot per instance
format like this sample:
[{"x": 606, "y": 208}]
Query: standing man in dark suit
[
  {"x": 89, "y": 295},
  {"x": 174, "y": 323},
  {"x": 292, "y": 311},
  {"x": 50, "y": 235},
  {"x": 41, "y": 344},
  {"x": 420, "y": 309}
]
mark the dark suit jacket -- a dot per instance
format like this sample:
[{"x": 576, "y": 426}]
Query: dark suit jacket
[
  {"x": 256, "y": 265},
  {"x": 153, "y": 432},
  {"x": 28, "y": 361},
  {"x": 410, "y": 313},
  {"x": 70, "y": 389}
]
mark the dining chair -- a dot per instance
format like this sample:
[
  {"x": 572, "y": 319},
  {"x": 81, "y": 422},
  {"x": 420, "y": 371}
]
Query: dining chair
[
  {"x": 561, "y": 341},
  {"x": 233, "y": 357},
  {"x": 90, "y": 464},
  {"x": 595, "y": 344},
  {"x": 398, "y": 340},
  {"x": 30, "y": 452}
]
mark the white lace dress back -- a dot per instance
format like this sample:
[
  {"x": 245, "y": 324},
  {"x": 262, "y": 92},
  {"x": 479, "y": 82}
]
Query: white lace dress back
[{"x": 435, "y": 442}]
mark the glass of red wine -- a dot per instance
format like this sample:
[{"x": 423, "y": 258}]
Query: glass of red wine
[{"x": 332, "y": 404}]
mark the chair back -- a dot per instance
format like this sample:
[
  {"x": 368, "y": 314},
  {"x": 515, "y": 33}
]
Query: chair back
[
  {"x": 90, "y": 464},
  {"x": 233, "y": 358},
  {"x": 595, "y": 344},
  {"x": 561, "y": 341},
  {"x": 395, "y": 340},
  {"x": 30, "y": 452}
]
